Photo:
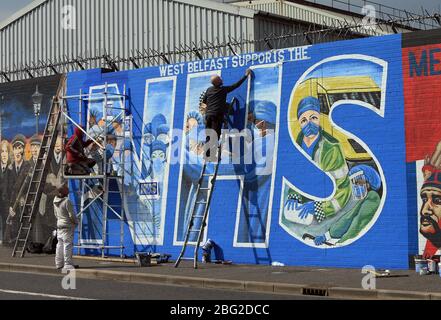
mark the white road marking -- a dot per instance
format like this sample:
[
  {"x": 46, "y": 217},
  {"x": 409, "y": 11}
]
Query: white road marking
[{"x": 42, "y": 295}]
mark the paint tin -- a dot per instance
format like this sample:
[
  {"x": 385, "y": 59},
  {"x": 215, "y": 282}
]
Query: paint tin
[
  {"x": 432, "y": 266},
  {"x": 420, "y": 264}
]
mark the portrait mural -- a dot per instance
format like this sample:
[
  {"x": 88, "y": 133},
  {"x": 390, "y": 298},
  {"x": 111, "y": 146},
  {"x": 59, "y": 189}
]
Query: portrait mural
[{"x": 22, "y": 122}]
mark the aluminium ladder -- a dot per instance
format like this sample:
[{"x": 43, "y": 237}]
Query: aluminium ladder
[
  {"x": 208, "y": 190},
  {"x": 38, "y": 178}
]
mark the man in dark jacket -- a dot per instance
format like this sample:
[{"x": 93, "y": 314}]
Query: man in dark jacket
[
  {"x": 35, "y": 149},
  {"x": 19, "y": 171},
  {"x": 215, "y": 99}
]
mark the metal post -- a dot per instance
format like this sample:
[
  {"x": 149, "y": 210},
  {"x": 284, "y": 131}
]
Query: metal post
[
  {"x": 80, "y": 231},
  {"x": 123, "y": 163},
  {"x": 104, "y": 169}
]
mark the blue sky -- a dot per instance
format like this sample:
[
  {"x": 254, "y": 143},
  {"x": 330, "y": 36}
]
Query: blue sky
[{"x": 8, "y": 7}]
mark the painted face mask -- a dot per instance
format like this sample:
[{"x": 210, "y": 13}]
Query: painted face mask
[
  {"x": 158, "y": 159},
  {"x": 311, "y": 129},
  {"x": 255, "y": 131}
]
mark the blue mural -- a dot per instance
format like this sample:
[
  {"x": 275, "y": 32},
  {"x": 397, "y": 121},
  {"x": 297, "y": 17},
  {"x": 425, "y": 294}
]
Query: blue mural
[{"x": 313, "y": 158}]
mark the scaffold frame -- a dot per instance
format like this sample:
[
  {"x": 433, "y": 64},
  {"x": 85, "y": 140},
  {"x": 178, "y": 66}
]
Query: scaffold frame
[{"x": 102, "y": 178}]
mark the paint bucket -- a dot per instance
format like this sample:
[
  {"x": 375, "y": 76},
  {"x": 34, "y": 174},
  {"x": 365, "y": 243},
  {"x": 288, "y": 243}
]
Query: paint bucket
[
  {"x": 420, "y": 264},
  {"x": 432, "y": 266}
]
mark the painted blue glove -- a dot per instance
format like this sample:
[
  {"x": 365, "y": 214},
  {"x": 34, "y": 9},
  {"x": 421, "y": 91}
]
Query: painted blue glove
[
  {"x": 320, "y": 240},
  {"x": 306, "y": 209},
  {"x": 291, "y": 204}
]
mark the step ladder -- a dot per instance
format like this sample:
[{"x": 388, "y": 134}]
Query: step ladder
[
  {"x": 38, "y": 178},
  {"x": 201, "y": 190}
]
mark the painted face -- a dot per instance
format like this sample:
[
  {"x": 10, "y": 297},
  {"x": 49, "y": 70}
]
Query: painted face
[
  {"x": 4, "y": 154},
  {"x": 309, "y": 116},
  {"x": 430, "y": 214},
  {"x": 18, "y": 153},
  {"x": 116, "y": 126},
  {"x": 359, "y": 188},
  {"x": 112, "y": 142},
  {"x": 158, "y": 155},
  {"x": 191, "y": 123},
  {"x": 58, "y": 146},
  {"x": 310, "y": 123},
  {"x": 35, "y": 148},
  {"x": 149, "y": 138},
  {"x": 261, "y": 127}
]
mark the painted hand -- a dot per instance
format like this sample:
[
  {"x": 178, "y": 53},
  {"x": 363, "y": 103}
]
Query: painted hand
[
  {"x": 291, "y": 204},
  {"x": 320, "y": 240},
  {"x": 306, "y": 209}
]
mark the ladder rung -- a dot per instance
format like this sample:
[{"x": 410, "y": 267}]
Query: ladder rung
[
  {"x": 198, "y": 216},
  {"x": 197, "y": 230},
  {"x": 201, "y": 202},
  {"x": 204, "y": 188}
]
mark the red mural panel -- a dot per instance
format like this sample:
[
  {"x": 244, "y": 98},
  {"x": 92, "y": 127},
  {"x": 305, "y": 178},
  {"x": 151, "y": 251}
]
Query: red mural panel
[{"x": 422, "y": 93}]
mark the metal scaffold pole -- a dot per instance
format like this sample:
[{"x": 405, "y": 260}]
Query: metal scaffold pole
[{"x": 106, "y": 173}]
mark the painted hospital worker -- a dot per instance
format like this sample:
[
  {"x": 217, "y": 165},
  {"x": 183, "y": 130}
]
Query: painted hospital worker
[
  {"x": 327, "y": 153},
  {"x": 366, "y": 183}
]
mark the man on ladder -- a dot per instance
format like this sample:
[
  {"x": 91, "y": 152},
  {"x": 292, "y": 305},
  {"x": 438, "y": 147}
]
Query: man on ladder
[{"x": 215, "y": 99}]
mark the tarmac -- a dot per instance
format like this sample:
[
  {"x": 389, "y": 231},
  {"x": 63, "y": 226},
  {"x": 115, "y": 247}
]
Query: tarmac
[{"x": 329, "y": 282}]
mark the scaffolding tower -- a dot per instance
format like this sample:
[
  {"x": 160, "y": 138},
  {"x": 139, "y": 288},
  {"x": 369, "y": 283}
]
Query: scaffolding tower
[{"x": 95, "y": 187}]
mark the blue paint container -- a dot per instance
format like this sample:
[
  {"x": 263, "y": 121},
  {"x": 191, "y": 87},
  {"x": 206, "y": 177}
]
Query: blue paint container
[{"x": 420, "y": 264}]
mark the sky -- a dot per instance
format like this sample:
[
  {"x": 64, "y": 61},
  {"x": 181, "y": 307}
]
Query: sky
[{"x": 8, "y": 7}]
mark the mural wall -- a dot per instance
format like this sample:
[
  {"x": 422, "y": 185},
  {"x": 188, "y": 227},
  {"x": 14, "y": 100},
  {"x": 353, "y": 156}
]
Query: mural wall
[
  {"x": 422, "y": 83},
  {"x": 330, "y": 158},
  {"x": 313, "y": 171},
  {"x": 21, "y": 127}
]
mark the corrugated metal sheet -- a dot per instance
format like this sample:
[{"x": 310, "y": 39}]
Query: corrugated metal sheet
[
  {"x": 267, "y": 26},
  {"x": 309, "y": 15},
  {"x": 119, "y": 27}
]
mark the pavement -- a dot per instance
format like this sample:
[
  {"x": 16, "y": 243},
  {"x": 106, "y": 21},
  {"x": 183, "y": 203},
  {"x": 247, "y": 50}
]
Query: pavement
[{"x": 295, "y": 281}]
